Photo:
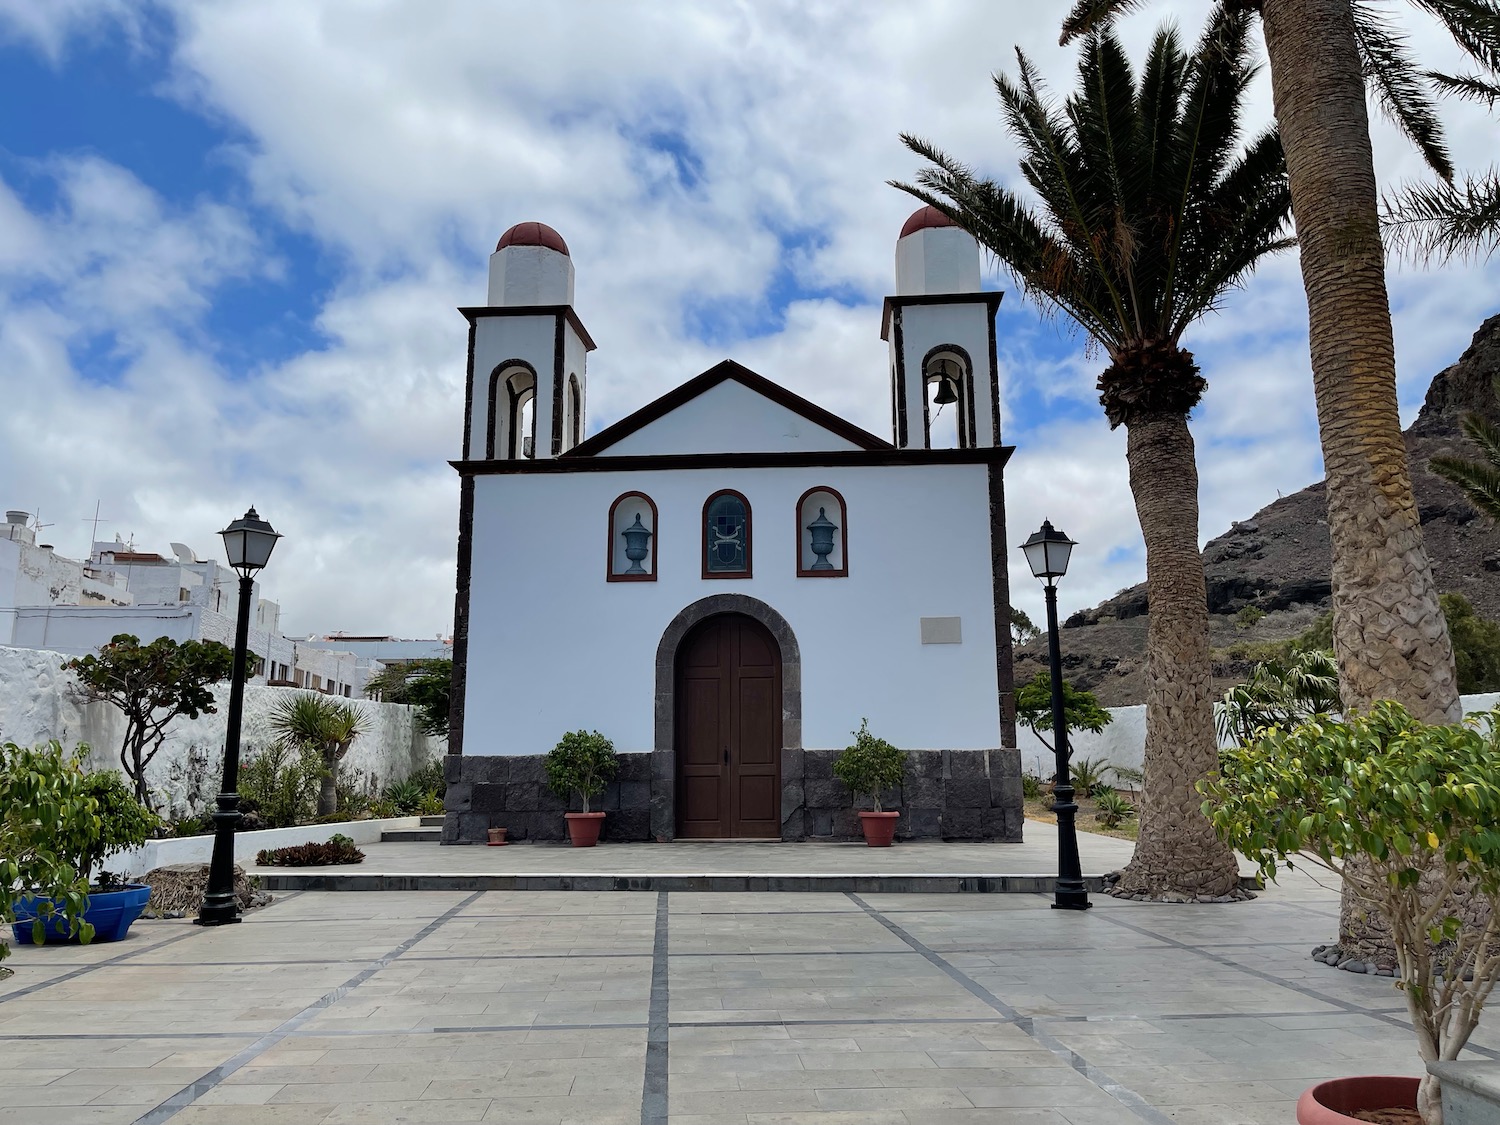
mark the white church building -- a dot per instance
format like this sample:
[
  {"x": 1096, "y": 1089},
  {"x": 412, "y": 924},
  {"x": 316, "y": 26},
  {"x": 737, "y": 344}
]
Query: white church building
[{"x": 727, "y": 581}]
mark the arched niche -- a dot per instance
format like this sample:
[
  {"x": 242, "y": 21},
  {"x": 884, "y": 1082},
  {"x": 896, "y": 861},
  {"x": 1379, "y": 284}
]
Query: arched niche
[
  {"x": 949, "y": 363},
  {"x": 728, "y": 545},
  {"x": 822, "y": 503},
  {"x": 512, "y": 418},
  {"x": 628, "y": 509}
]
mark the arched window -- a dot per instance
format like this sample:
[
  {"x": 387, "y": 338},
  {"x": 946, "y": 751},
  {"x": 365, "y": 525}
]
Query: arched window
[
  {"x": 822, "y": 534},
  {"x": 511, "y": 432},
  {"x": 575, "y": 412},
  {"x": 632, "y": 539},
  {"x": 948, "y": 393},
  {"x": 726, "y": 536}
]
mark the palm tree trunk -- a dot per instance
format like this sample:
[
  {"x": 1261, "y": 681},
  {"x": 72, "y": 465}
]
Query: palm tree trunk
[
  {"x": 1177, "y": 856},
  {"x": 328, "y": 790},
  {"x": 1388, "y": 630}
]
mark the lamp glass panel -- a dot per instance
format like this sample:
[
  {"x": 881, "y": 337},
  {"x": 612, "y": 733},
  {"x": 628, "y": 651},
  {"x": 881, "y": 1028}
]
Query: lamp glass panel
[
  {"x": 1058, "y": 551},
  {"x": 1036, "y": 558},
  {"x": 234, "y": 547},
  {"x": 258, "y": 547}
]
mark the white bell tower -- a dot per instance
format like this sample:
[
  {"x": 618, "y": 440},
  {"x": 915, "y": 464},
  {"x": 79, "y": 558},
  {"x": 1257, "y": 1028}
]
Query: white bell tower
[
  {"x": 940, "y": 327},
  {"x": 528, "y": 350}
]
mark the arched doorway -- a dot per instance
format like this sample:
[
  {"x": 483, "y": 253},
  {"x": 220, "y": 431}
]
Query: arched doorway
[{"x": 727, "y": 731}]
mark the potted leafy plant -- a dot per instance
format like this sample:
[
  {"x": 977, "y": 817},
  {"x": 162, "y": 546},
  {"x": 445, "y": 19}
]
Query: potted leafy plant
[
  {"x": 582, "y": 762},
  {"x": 62, "y": 823},
  {"x": 1405, "y": 814},
  {"x": 870, "y": 766}
]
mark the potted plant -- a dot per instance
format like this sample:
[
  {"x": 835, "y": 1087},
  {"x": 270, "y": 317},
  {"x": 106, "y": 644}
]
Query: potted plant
[
  {"x": 870, "y": 766},
  {"x": 583, "y": 762},
  {"x": 1405, "y": 814},
  {"x": 62, "y": 823}
]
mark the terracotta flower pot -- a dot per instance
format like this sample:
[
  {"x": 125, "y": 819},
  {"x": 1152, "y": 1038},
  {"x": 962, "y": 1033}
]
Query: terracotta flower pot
[
  {"x": 880, "y": 827},
  {"x": 583, "y": 828},
  {"x": 497, "y": 838},
  {"x": 1333, "y": 1102}
]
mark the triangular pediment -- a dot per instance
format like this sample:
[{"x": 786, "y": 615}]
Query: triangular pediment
[{"x": 727, "y": 409}]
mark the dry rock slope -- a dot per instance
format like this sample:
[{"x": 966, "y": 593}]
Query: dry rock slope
[{"x": 1279, "y": 560}]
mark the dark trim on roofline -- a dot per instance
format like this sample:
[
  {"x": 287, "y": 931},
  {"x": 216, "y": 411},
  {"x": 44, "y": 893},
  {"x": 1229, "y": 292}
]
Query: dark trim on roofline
[
  {"x": 994, "y": 383},
  {"x": 902, "y": 439},
  {"x": 822, "y": 458},
  {"x": 469, "y": 394},
  {"x": 1005, "y": 673},
  {"x": 990, "y": 297},
  {"x": 557, "y": 390},
  {"x": 461, "y": 616},
  {"x": 719, "y": 373},
  {"x": 473, "y": 313}
]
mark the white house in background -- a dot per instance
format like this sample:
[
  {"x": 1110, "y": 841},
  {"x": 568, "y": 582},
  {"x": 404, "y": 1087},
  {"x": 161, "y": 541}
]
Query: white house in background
[
  {"x": 63, "y": 605},
  {"x": 728, "y": 580}
]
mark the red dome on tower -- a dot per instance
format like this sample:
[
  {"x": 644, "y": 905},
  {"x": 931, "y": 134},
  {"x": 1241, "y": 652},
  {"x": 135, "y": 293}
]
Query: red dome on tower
[
  {"x": 925, "y": 217},
  {"x": 533, "y": 234}
]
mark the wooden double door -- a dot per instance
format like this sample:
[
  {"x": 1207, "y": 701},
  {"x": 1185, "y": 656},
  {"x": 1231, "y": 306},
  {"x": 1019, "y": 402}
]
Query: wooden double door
[{"x": 728, "y": 731}]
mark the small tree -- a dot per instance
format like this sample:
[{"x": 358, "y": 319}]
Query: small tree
[
  {"x": 1081, "y": 711},
  {"x": 582, "y": 762},
  {"x": 1022, "y": 629},
  {"x": 1405, "y": 813},
  {"x": 1476, "y": 645},
  {"x": 426, "y": 685},
  {"x": 329, "y": 726},
  {"x": 152, "y": 685},
  {"x": 47, "y": 818},
  {"x": 123, "y": 823},
  {"x": 870, "y": 766}
]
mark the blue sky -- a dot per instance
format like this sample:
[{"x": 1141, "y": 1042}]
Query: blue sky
[{"x": 232, "y": 235}]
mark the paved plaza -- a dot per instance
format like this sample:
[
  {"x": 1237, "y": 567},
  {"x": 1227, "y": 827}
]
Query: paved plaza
[{"x": 699, "y": 1009}]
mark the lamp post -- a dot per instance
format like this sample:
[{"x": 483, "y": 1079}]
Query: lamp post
[
  {"x": 248, "y": 542},
  {"x": 1047, "y": 554}
]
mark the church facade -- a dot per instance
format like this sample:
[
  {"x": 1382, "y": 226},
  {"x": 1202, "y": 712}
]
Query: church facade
[{"x": 729, "y": 580}]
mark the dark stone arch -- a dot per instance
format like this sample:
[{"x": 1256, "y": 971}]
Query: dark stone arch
[
  {"x": 967, "y": 431},
  {"x": 663, "y": 757},
  {"x": 508, "y": 368}
]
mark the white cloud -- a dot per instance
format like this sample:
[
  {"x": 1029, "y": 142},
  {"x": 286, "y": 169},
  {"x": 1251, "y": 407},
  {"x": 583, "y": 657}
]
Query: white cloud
[{"x": 403, "y": 137}]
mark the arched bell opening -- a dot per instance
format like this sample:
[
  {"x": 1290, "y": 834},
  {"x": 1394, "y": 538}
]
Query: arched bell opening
[{"x": 948, "y": 398}]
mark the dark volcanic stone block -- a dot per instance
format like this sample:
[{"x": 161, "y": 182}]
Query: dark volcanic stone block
[
  {"x": 1006, "y": 792},
  {"x": 521, "y": 798},
  {"x": 924, "y": 824},
  {"x": 473, "y": 827},
  {"x": 635, "y": 795},
  {"x": 634, "y": 767},
  {"x": 824, "y": 793},
  {"x": 792, "y": 796},
  {"x": 846, "y": 824},
  {"x": 792, "y": 764},
  {"x": 489, "y": 798},
  {"x": 609, "y": 800},
  {"x": 549, "y": 826},
  {"x": 962, "y": 824},
  {"x": 632, "y": 825},
  {"x": 993, "y": 824},
  {"x": 451, "y": 828},
  {"x": 923, "y": 792},
  {"x": 971, "y": 793},
  {"x": 527, "y": 769},
  {"x": 548, "y": 801},
  {"x": 966, "y": 764},
  {"x": 453, "y": 765},
  {"x": 820, "y": 822},
  {"x": 793, "y": 824},
  {"x": 818, "y": 764},
  {"x": 925, "y": 763},
  {"x": 458, "y": 798}
]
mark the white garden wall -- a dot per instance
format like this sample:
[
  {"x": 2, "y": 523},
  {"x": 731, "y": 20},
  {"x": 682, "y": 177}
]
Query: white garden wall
[
  {"x": 39, "y": 701},
  {"x": 1123, "y": 742}
]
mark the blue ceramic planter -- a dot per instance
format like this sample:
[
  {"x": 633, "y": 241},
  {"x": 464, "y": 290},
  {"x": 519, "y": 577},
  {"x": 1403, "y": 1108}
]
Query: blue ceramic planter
[{"x": 109, "y": 912}]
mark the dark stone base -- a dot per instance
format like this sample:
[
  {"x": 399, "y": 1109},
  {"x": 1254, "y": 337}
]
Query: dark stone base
[{"x": 947, "y": 794}]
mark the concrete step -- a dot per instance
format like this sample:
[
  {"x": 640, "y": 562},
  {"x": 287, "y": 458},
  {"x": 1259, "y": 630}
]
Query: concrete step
[
  {"x": 432, "y": 821},
  {"x": 825, "y": 884},
  {"x": 412, "y": 835}
]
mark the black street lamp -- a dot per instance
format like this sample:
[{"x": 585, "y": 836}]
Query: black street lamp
[
  {"x": 248, "y": 542},
  {"x": 1047, "y": 554}
]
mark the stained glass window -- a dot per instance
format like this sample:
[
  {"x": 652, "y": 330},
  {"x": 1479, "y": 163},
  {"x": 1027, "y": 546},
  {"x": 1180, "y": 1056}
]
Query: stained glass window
[{"x": 726, "y": 536}]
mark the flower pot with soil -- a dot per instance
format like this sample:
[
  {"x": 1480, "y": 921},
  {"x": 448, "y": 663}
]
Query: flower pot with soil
[
  {"x": 497, "y": 837},
  {"x": 1377, "y": 1099},
  {"x": 583, "y": 762},
  {"x": 870, "y": 767},
  {"x": 1404, "y": 814}
]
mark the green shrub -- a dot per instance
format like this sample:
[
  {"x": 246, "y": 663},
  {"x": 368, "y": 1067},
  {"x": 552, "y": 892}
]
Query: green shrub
[
  {"x": 1031, "y": 786},
  {"x": 123, "y": 821},
  {"x": 1131, "y": 776},
  {"x": 430, "y": 778},
  {"x": 339, "y": 849},
  {"x": 280, "y": 783},
  {"x": 1088, "y": 775},
  {"x": 46, "y": 816},
  {"x": 870, "y": 765},
  {"x": 382, "y": 807},
  {"x": 1248, "y": 617},
  {"x": 1405, "y": 814},
  {"x": 1081, "y": 710},
  {"x": 405, "y": 797},
  {"x": 1111, "y": 810},
  {"x": 582, "y": 762},
  {"x": 354, "y": 789}
]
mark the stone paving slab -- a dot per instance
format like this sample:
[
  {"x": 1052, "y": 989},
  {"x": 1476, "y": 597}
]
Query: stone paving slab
[{"x": 702, "y": 1009}]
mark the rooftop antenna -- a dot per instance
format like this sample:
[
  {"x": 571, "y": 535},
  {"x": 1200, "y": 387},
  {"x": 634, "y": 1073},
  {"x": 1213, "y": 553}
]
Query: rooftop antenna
[
  {"x": 36, "y": 522},
  {"x": 96, "y": 521}
]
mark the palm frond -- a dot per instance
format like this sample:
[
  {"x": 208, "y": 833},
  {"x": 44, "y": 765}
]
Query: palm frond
[
  {"x": 1474, "y": 26},
  {"x": 1485, "y": 434},
  {"x": 1480, "y": 482},
  {"x": 1442, "y": 221},
  {"x": 1401, "y": 90},
  {"x": 1468, "y": 87},
  {"x": 1089, "y": 16}
]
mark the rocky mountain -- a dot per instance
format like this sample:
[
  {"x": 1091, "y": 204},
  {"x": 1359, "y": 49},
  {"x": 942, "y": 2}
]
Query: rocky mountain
[{"x": 1279, "y": 560}]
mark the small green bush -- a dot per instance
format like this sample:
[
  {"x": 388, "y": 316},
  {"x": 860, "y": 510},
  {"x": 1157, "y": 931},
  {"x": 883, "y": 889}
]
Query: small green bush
[
  {"x": 339, "y": 849},
  {"x": 280, "y": 783},
  {"x": 123, "y": 821},
  {"x": 870, "y": 765},
  {"x": 429, "y": 778},
  {"x": 1112, "y": 809},
  {"x": 404, "y": 796},
  {"x": 582, "y": 762},
  {"x": 1031, "y": 786},
  {"x": 1088, "y": 775}
]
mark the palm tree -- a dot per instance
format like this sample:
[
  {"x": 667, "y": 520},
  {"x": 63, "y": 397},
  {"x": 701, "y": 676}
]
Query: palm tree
[
  {"x": 1323, "y": 54},
  {"x": 1147, "y": 217},
  {"x": 1280, "y": 692},
  {"x": 327, "y": 725},
  {"x": 1479, "y": 480}
]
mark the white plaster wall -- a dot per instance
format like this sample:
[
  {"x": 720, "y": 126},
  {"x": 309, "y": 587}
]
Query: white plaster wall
[
  {"x": 39, "y": 701},
  {"x": 575, "y": 362},
  {"x": 497, "y": 339},
  {"x": 729, "y": 418},
  {"x": 199, "y": 849},
  {"x": 937, "y": 260},
  {"x": 1123, "y": 742},
  {"x": 924, "y": 327},
  {"x": 554, "y": 647},
  {"x": 530, "y": 275}
]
